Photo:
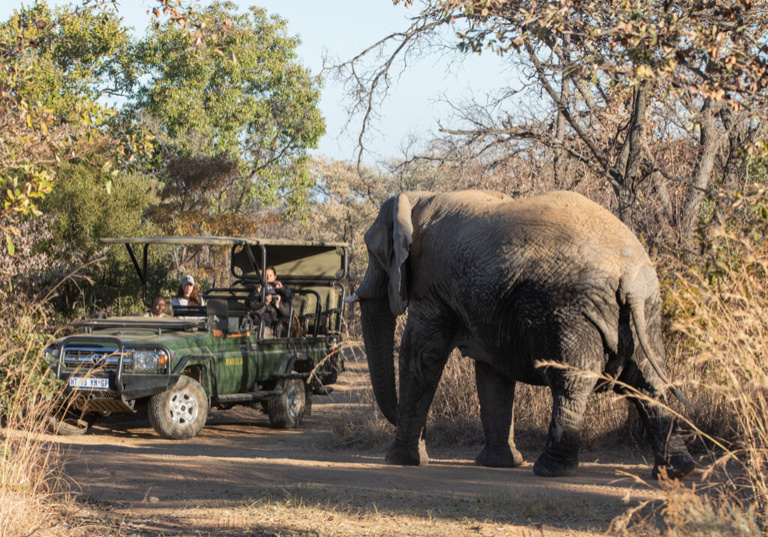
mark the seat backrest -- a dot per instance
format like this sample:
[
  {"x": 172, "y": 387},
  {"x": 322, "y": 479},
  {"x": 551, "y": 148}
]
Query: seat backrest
[{"x": 319, "y": 309}]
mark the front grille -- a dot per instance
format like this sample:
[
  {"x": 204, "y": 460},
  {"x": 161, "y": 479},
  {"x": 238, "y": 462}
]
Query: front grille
[{"x": 82, "y": 358}]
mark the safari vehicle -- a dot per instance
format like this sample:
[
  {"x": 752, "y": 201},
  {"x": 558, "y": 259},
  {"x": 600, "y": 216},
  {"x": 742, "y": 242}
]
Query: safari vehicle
[{"x": 219, "y": 355}]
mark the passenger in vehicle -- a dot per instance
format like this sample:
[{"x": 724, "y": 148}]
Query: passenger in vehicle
[
  {"x": 158, "y": 307},
  {"x": 275, "y": 286},
  {"x": 274, "y": 311},
  {"x": 188, "y": 294}
]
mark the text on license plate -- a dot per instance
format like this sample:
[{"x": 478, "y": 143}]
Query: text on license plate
[{"x": 89, "y": 383}]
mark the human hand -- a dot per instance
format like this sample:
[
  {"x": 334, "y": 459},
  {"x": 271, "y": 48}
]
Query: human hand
[{"x": 278, "y": 285}]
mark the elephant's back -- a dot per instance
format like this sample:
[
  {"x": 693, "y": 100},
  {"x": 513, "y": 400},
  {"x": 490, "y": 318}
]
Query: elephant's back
[
  {"x": 555, "y": 236},
  {"x": 573, "y": 226},
  {"x": 561, "y": 214}
]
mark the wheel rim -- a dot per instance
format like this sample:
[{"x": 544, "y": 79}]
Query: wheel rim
[
  {"x": 293, "y": 398},
  {"x": 183, "y": 408}
]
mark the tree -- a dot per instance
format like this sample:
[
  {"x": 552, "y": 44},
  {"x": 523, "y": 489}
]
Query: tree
[
  {"x": 240, "y": 92},
  {"x": 80, "y": 210},
  {"x": 630, "y": 86},
  {"x": 53, "y": 68}
]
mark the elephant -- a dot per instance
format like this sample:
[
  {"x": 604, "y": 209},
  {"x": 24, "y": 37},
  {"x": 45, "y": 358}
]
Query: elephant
[{"x": 548, "y": 290}]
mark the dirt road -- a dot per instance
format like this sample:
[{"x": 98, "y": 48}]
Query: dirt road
[{"x": 240, "y": 477}]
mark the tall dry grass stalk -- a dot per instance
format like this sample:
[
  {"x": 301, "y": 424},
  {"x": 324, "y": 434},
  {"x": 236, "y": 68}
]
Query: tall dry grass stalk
[{"x": 30, "y": 474}]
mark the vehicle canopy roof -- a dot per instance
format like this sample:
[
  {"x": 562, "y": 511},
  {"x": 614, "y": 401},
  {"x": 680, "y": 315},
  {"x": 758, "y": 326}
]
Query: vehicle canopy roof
[
  {"x": 220, "y": 241},
  {"x": 249, "y": 256}
]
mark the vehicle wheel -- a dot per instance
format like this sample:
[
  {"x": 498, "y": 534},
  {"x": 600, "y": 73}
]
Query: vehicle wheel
[
  {"x": 179, "y": 412},
  {"x": 70, "y": 422},
  {"x": 287, "y": 410}
]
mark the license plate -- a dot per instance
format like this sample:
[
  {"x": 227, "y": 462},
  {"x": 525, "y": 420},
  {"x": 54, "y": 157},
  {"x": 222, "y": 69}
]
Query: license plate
[{"x": 88, "y": 383}]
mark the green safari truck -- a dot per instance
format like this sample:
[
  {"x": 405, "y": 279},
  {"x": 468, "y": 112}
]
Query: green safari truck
[{"x": 219, "y": 355}]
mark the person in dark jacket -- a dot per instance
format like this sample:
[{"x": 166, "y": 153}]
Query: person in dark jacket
[
  {"x": 273, "y": 311},
  {"x": 275, "y": 286}
]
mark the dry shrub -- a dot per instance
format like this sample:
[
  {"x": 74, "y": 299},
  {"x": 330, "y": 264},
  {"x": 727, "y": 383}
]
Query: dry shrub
[
  {"x": 30, "y": 475},
  {"x": 688, "y": 512},
  {"x": 722, "y": 351},
  {"x": 454, "y": 417}
]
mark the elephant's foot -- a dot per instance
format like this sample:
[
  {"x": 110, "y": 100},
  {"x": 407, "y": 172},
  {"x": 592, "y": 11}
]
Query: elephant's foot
[
  {"x": 549, "y": 466},
  {"x": 499, "y": 457},
  {"x": 678, "y": 466},
  {"x": 407, "y": 456}
]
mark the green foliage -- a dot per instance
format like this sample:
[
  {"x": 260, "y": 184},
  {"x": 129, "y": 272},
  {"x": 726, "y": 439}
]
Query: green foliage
[
  {"x": 241, "y": 92},
  {"x": 72, "y": 55},
  {"x": 84, "y": 210},
  {"x": 23, "y": 336},
  {"x": 53, "y": 68}
]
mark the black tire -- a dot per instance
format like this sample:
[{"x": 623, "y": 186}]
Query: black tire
[
  {"x": 70, "y": 422},
  {"x": 287, "y": 410},
  {"x": 180, "y": 412}
]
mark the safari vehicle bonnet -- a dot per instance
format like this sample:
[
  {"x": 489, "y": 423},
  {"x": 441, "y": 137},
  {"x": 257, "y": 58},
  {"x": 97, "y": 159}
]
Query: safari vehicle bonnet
[{"x": 176, "y": 368}]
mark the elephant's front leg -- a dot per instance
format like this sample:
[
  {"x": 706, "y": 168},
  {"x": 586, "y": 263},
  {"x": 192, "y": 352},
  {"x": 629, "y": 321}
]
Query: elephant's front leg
[
  {"x": 570, "y": 393},
  {"x": 424, "y": 350},
  {"x": 496, "y": 393}
]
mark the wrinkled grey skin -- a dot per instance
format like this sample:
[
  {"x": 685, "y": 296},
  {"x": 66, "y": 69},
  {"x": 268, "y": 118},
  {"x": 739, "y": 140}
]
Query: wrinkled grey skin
[{"x": 554, "y": 278}]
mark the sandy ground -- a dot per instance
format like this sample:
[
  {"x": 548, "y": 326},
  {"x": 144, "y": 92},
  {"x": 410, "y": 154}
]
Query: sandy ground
[{"x": 240, "y": 477}]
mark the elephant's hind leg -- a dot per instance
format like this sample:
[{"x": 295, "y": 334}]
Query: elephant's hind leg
[
  {"x": 580, "y": 352},
  {"x": 561, "y": 455},
  {"x": 497, "y": 396}
]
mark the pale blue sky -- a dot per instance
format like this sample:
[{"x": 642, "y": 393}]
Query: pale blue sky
[{"x": 341, "y": 29}]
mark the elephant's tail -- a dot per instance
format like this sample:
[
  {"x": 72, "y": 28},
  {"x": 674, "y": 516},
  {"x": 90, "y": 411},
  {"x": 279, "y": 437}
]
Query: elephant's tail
[{"x": 637, "y": 307}]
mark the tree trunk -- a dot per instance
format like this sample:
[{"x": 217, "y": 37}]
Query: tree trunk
[
  {"x": 560, "y": 153},
  {"x": 709, "y": 143},
  {"x": 625, "y": 174}
]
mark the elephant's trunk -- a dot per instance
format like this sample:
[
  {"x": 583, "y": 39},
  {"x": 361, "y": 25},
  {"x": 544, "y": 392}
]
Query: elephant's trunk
[{"x": 379, "y": 335}]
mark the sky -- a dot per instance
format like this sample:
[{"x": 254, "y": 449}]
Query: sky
[{"x": 341, "y": 29}]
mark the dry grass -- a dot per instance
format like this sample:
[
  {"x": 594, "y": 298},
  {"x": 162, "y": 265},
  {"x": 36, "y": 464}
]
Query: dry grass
[
  {"x": 722, "y": 352},
  {"x": 34, "y": 497},
  {"x": 29, "y": 471}
]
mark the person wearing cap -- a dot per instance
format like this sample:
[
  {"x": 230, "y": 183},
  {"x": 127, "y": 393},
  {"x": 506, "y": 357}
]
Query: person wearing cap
[{"x": 188, "y": 294}]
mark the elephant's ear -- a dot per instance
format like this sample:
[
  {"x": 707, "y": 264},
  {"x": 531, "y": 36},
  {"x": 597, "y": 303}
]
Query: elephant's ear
[
  {"x": 389, "y": 240},
  {"x": 402, "y": 236}
]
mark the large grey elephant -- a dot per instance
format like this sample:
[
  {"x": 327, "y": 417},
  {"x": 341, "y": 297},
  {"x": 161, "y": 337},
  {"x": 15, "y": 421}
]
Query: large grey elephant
[{"x": 550, "y": 290}]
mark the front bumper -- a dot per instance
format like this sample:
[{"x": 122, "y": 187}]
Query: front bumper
[
  {"x": 102, "y": 378},
  {"x": 118, "y": 396}
]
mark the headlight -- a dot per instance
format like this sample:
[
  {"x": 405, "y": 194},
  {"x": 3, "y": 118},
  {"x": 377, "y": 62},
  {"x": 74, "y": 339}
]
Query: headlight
[
  {"x": 51, "y": 354},
  {"x": 150, "y": 359}
]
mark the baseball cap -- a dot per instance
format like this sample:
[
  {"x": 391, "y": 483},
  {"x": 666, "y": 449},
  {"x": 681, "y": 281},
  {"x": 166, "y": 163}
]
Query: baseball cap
[{"x": 187, "y": 279}]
